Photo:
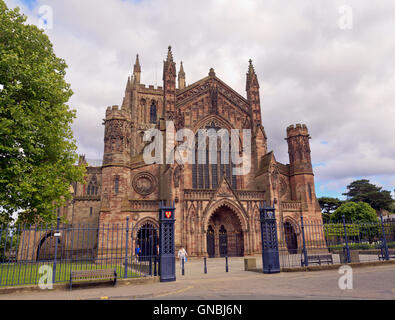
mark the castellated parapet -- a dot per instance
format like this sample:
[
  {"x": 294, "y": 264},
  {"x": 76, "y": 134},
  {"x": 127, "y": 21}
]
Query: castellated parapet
[
  {"x": 117, "y": 137},
  {"x": 115, "y": 112},
  {"x": 298, "y": 130}
]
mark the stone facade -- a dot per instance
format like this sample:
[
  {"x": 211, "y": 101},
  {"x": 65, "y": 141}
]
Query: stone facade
[{"x": 211, "y": 204}]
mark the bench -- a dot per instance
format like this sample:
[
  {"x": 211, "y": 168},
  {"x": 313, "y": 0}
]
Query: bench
[
  {"x": 391, "y": 255},
  {"x": 318, "y": 259},
  {"x": 93, "y": 275}
]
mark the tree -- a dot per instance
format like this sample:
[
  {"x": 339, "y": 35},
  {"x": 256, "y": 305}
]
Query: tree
[
  {"x": 37, "y": 149},
  {"x": 328, "y": 206},
  {"x": 355, "y": 212},
  {"x": 359, "y": 187},
  {"x": 363, "y": 190}
]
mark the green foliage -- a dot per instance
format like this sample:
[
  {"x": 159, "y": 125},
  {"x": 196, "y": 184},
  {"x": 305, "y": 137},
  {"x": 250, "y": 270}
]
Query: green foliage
[
  {"x": 37, "y": 149},
  {"x": 360, "y": 246},
  {"x": 328, "y": 206},
  {"x": 354, "y": 212},
  {"x": 337, "y": 230},
  {"x": 9, "y": 238},
  {"x": 391, "y": 209},
  {"x": 363, "y": 190}
]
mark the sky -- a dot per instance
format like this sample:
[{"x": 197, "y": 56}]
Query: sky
[{"x": 328, "y": 64}]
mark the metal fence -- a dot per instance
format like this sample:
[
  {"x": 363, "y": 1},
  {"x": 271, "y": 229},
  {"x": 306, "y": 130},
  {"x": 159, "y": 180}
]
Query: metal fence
[
  {"x": 310, "y": 243},
  {"x": 132, "y": 250}
]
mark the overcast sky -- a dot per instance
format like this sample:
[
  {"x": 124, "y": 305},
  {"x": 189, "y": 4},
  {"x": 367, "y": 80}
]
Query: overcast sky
[{"x": 316, "y": 64}]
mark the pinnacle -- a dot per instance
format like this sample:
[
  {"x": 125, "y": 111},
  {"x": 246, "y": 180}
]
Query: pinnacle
[
  {"x": 169, "y": 55},
  {"x": 137, "y": 67},
  {"x": 182, "y": 73},
  {"x": 251, "y": 69}
]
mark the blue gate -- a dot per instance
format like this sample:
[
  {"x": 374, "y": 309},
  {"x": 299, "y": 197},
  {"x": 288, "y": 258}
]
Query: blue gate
[
  {"x": 270, "y": 255},
  {"x": 167, "y": 263}
]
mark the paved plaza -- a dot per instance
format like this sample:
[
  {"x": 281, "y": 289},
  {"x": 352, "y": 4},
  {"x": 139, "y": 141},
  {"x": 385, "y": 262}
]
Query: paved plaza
[{"x": 368, "y": 283}]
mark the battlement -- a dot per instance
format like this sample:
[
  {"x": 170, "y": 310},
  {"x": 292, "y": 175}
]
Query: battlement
[
  {"x": 299, "y": 129},
  {"x": 150, "y": 88},
  {"x": 115, "y": 112}
]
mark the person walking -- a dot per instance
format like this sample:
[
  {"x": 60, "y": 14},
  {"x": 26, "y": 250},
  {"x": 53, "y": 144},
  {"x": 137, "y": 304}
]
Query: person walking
[
  {"x": 137, "y": 252},
  {"x": 182, "y": 255}
]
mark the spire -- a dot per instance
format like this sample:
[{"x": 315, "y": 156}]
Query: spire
[
  {"x": 128, "y": 84},
  {"x": 181, "y": 78},
  {"x": 252, "y": 88},
  {"x": 252, "y": 79},
  {"x": 169, "y": 86},
  {"x": 169, "y": 66},
  {"x": 182, "y": 72},
  {"x": 137, "y": 70},
  {"x": 137, "y": 67}
]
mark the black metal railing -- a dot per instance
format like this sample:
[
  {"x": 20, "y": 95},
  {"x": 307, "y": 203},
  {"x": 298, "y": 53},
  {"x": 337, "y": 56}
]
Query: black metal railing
[
  {"x": 306, "y": 243},
  {"x": 24, "y": 250}
]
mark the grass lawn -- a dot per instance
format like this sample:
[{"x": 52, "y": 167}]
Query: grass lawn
[{"x": 14, "y": 274}]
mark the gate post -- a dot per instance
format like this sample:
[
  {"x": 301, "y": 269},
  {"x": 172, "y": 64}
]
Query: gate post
[
  {"x": 126, "y": 248},
  {"x": 305, "y": 256},
  {"x": 346, "y": 238},
  {"x": 270, "y": 255},
  {"x": 384, "y": 240},
  {"x": 57, "y": 237},
  {"x": 166, "y": 239}
]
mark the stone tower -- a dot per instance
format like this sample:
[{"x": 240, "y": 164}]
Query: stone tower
[
  {"x": 116, "y": 160},
  {"x": 301, "y": 170}
]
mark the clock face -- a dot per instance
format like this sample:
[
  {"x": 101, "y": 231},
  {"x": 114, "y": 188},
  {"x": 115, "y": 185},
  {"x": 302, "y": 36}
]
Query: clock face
[{"x": 168, "y": 214}]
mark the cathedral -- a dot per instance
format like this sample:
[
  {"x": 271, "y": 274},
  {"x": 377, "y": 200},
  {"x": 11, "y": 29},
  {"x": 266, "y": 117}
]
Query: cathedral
[{"x": 217, "y": 213}]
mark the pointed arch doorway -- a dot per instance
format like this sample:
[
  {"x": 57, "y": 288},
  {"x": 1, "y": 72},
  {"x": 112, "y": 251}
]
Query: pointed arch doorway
[{"x": 224, "y": 234}]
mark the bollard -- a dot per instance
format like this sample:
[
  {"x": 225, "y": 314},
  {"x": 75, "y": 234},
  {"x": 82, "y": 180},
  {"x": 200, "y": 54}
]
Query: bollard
[
  {"x": 205, "y": 265},
  {"x": 182, "y": 269},
  {"x": 227, "y": 265}
]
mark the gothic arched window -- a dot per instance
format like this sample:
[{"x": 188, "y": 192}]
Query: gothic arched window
[
  {"x": 93, "y": 187},
  {"x": 153, "y": 112},
  {"x": 206, "y": 175},
  {"x": 116, "y": 185}
]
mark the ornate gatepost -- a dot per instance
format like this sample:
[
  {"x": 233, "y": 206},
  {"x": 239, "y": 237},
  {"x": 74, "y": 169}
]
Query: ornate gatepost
[
  {"x": 167, "y": 259},
  {"x": 270, "y": 255}
]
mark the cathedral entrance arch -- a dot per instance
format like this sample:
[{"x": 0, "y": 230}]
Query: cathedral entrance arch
[{"x": 225, "y": 235}]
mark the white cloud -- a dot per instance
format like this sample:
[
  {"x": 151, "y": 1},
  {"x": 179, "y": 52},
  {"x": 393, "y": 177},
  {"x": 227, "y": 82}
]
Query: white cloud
[{"x": 339, "y": 82}]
